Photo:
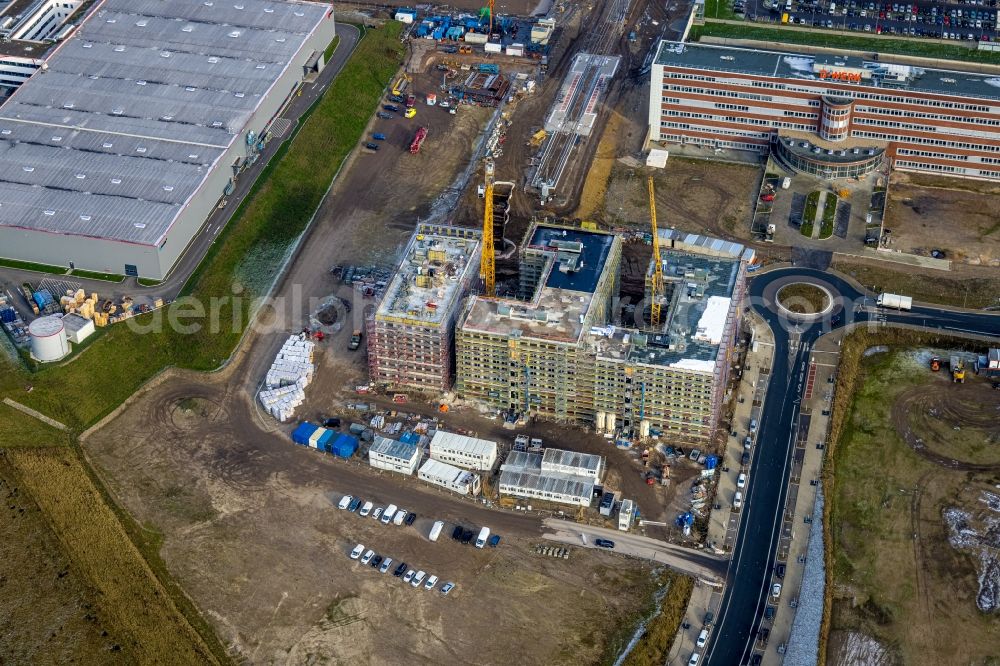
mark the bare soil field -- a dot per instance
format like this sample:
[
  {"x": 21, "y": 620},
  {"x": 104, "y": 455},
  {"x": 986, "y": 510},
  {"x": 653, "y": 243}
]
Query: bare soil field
[
  {"x": 252, "y": 533},
  {"x": 961, "y": 219},
  {"x": 698, "y": 196},
  {"x": 916, "y": 449}
]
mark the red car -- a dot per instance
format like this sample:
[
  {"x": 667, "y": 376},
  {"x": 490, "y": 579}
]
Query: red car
[{"x": 767, "y": 197}]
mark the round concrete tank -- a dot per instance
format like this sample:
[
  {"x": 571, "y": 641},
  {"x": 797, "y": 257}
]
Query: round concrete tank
[
  {"x": 644, "y": 428},
  {"x": 610, "y": 423},
  {"x": 48, "y": 339},
  {"x": 601, "y": 420}
]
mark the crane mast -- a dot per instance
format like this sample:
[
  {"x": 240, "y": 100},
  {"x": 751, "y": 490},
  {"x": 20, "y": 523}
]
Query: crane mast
[
  {"x": 657, "y": 279},
  {"x": 487, "y": 266}
]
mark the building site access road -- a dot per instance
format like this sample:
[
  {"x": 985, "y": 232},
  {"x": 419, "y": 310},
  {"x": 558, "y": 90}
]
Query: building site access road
[
  {"x": 701, "y": 564},
  {"x": 750, "y": 570}
]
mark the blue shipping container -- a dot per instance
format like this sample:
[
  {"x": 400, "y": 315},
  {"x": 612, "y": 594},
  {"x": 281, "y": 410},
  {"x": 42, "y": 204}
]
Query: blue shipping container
[
  {"x": 302, "y": 433},
  {"x": 345, "y": 446},
  {"x": 326, "y": 440},
  {"x": 410, "y": 437},
  {"x": 8, "y": 315}
]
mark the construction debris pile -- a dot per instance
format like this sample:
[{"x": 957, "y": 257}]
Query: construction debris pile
[{"x": 288, "y": 377}]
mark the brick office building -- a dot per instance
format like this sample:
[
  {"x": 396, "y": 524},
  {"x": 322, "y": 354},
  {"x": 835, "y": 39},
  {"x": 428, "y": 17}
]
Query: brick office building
[{"x": 835, "y": 116}]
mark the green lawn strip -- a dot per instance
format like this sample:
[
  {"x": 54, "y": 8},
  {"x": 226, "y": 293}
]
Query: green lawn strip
[
  {"x": 331, "y": 48},
  {"x": 809, "y": 214},
  {"x": 31, "y": 266},
  {"x": 93, "y": 275},
  {"x": 20, "y": 429},
  {"x": 720, "y": 9},
  {"x": 809, "y": 37},
  {"x": 148, "y": 282},
  {"x": 271, "y": 218},
  {"x": 829, "y": 213}
]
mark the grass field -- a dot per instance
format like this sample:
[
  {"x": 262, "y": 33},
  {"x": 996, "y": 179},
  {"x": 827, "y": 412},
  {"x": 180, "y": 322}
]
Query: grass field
[
  {"x": 895, "y": 578},
  {"x": 21, "y": 430},
  {"x": 719, "y": 9},
  {"x": 654, "y": 646},
  {"x": 135, "y": 607},
  {"x": 809, "y": 214},
  {"x": 94, "y": 275},
  {"x": 927, "y": 286},
  {"x": 810, "y": 37},
  {"x": 803, "y": 298},
  {"x": 249, "y": 252}
]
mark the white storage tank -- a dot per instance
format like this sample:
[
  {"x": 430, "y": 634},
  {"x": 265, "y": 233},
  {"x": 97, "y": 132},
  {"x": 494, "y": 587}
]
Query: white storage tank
[
  {"x": 48, "y": 339},
  {"x": 601, "y": 419},
  {"x": 610, "y": 423},
  {"x": 644, "y": 428}
]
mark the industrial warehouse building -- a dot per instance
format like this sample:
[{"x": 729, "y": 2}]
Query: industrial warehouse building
[
  {"x": 448, "y": 476},
  {"x": 393, "y": 455},
  {"x": 115, "y": 151},
  {"x": 832, "y": 116},
  {"x": 410, "y": 337},
  {"x": 552, "y": 353},
  {"x": 468, "y": 452},
  {"x": 564, "y": 477}
]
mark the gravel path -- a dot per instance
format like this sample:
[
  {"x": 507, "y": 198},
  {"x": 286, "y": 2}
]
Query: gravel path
[{"x": 803, "y": 643}]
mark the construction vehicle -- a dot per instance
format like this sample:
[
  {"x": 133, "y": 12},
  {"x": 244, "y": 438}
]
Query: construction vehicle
[
  {"x": 410, "y": 113},
  {"x": 935, "y": 363},
  {"x": 400, "y": 85},
  {"x": 487, "y": 266},
  {"x": 418, "y": 140},
  {"x": 894, "y": 301},
  {"x": 537, "y": 138},
  {"x": 355, "y": 339},
  {"x": 657, "y": 279},
  {"x": 957, "y": 366}
]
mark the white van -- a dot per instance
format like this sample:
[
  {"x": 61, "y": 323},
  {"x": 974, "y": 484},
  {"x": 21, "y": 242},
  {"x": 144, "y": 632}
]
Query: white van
[
  {"x": 702, "y": 638},
  {"x": 388, "y": 514},
  {"x": 436, "y": 530},
  {"x": 345, "y": 502},
  {"x": 484, "y": 535},
  {"x": 738, "y": 500},
  {"x": 400, "y": 517}
]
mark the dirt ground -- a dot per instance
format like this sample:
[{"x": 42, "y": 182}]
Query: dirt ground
[
  {"x": 916, "y": 449},
  {"x": 252, "y": 533},
  {"x": 958, "y": 217},
  {"x": 699, "y": 196}
]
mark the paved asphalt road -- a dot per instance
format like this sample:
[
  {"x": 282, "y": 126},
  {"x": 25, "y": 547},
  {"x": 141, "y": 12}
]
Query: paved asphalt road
[
  {"x": 749, "y": 576},
  {"x": 694, "y": 562}
]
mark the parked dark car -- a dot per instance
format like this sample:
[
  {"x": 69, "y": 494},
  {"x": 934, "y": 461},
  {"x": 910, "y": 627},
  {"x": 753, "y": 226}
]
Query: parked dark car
[
  {"x": 756, "y": 660},
  {"x": 376, "y": 561},
  {"x": 769, "y": 612},
  {"x": 765, "y": 634},
  {"x": 397, "y": 98},
  {"x": 378, "y": 136},
  {"x": 410, "y": 517},
  {"x": 779, "y": 571},
  {"x": 494, "y": 540},
  {"x": 604, "y": 543},
  {"x": 456, "y": 534},
  {"x": 332, "y": 423},
  {"x": 371, "y": 146},
  {"x": 384, "y": 116},
  {"x": 467, "y": 536},
  {"x": 400, "y": 570},
  {"x": 746, "y": 458},
  {"x": 391, "y": 107},
  {"x": 355, "y": 503}
]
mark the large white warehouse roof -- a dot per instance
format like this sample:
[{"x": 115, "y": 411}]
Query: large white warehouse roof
[{"x": 119, "y": 130}]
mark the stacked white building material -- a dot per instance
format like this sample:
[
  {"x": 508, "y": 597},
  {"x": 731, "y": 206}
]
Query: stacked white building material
[{"x": 288, "y": 377}]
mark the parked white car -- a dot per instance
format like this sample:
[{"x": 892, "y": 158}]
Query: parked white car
[
  {"x": 368, "y": 556},
  {"x": 432, "y": 580},
  {"x": 345, "y": 502},
  {"x": 356, "y": 553},
  {"x": 366, "y": 508},
  {"x": 741, "y": 481},
  {"x": 386, "y": 563},
  {"x": 418, "y": 579}
]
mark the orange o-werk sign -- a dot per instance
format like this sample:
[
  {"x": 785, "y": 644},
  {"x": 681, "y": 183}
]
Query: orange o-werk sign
[{"x": 849, "y": 77}]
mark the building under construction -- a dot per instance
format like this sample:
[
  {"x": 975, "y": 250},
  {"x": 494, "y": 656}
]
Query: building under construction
[
  {"x": 485, "y": 88},
  {"x": 410, "y": 336},
  {"x": 553, "y": 353}
]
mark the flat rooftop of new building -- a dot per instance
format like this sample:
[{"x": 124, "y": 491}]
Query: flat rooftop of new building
[
  {"x": 472, "y": 446},
  {"x": 583, "y": 461},
  {"x": 427, "y": 283},
  {"x": 580, "y": 256},
  {"x": 130, "y": 115},
  {"x": 524, "y": 470},
  {"x": 791, "y": 65},
  {"x": 700, "y": 288}
]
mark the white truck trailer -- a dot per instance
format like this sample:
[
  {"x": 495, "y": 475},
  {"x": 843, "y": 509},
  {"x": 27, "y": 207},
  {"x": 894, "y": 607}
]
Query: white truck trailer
[{"x": 894, "y": 301}]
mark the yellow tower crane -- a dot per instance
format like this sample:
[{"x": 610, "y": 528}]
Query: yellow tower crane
[
  {"x": 657, "y": 286},
  {"x": 487, "y": 266}
]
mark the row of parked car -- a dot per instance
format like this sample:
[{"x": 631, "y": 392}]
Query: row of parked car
[
  {"x": 390, "y": 514},
  {"x": 415, "y": 578}
]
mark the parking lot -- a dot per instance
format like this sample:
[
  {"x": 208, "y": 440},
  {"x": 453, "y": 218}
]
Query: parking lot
[{"x": 969, "y": 21}]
